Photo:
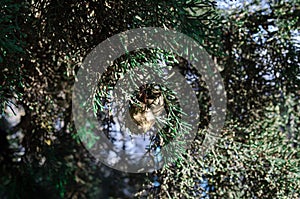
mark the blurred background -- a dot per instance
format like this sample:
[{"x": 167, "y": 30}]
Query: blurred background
[{"x": 255, "y": 45}]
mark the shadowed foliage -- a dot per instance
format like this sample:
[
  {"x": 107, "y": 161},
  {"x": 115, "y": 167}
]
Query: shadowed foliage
[{"x": 255, "y": 46}]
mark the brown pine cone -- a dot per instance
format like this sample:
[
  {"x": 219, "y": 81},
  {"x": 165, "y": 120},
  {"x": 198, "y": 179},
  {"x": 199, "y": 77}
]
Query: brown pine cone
[{"x": 146, "y": 105}]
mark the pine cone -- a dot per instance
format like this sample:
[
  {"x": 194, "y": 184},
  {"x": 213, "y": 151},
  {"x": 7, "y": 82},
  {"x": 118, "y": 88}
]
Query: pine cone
[{"x": 146, "y": 105}]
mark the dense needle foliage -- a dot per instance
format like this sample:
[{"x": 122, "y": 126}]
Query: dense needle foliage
[{"x": 255, "y": 46}]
